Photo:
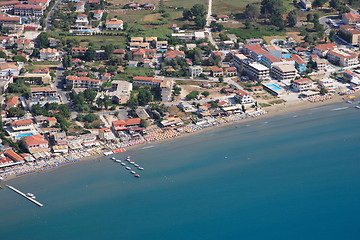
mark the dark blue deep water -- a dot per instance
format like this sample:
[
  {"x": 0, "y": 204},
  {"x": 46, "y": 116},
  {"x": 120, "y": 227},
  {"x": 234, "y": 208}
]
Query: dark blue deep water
[{"x": 295, "y": 176}]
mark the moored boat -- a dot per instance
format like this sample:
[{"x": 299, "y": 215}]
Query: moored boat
[
  {"x": 137, "y": 175},
  {"x": 140, "y": 168},
  {"x": 113, "y": 158},
  {"x": 358, "y": 107},
  {"x": 123, "y": 164},
  {"x": 133, "y": 172},
  {"x": 119, "y": 161},
  {"x": 136, "y": 165},
  {"x": 30, "y": 195},
  {"x": 128, "y": 168}
]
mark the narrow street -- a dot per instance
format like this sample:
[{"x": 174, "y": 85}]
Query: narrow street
[
  {"x": 207, "y": 26},
  {"x": 49, "y": 16}
]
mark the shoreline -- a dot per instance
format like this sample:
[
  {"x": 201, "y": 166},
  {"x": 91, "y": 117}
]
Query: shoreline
[{"x": 274, "y": 110}]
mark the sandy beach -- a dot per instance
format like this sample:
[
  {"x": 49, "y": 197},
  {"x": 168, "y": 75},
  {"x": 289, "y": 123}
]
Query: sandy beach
[{"x": 275, "y": 110}]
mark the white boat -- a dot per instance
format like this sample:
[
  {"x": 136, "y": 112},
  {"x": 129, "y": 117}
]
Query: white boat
[
  {"x": 140, "y": 168},
  {"x": 132, "y": 162},
  {"x": 123, "y": 164},
  {"x": 133, "y": 172},
  {"x": 119, "y": 161},
  {"x": 30, "y": 195},
  {"x": 128, "y": 168},
  {"x": 358, "y": 107},
  {"x": 113, "y": 158},
  {"x": 136, "y": 165}
]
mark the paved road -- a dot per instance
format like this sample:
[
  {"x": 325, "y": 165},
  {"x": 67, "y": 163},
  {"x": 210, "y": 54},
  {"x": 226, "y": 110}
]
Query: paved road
[
  {"x": 59, "y": 85},
  {"x": 48, "y": 18},
  {"x": 207, "y": 27},
  {"x": 323, "y": 21}
]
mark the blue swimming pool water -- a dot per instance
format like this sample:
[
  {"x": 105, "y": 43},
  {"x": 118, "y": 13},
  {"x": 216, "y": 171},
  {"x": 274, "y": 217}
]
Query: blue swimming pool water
[
  {"x": 24, "y": 135},
  {"x": 286, "y": 56},
  {"x": 273, "y": 87}
]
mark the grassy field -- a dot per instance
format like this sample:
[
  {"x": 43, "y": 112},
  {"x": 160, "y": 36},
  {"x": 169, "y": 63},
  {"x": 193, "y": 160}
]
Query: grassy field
[
  {"x": 129, "y": 73},
  {"x": 252, "y": 33},
  {"x": 97, "y": 40},
  {"x": 185, "y": 3}
]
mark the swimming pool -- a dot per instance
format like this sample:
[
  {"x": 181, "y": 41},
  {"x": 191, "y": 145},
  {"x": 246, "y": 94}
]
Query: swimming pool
[
  {"x": 24, "y": 135},
  {"x": 273, "y": 87}
]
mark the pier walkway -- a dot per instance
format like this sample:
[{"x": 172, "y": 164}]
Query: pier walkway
[{"x": 25, "y": 196}]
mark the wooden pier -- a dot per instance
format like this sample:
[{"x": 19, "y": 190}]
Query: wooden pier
[{"x": 25, "y": 196}]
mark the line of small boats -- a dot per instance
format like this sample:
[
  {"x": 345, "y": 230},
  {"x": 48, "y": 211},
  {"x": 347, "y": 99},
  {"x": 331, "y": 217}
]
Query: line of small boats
[{"x": 128, "y": 159}]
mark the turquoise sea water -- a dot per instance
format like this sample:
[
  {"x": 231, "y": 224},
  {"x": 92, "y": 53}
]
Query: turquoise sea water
[{"x": 295, "y": 176}]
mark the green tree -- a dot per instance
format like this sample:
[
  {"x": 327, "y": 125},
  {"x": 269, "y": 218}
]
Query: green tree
[
  {"x": 332, "y": 34},
  {"x": 67, "y": 61},
  {"x": 144, "y": 96},
  {"x": 200, "y": 22},
  {"x": 292, "y": 18},
  {"x": 89, "y": 95},
  {"x": 198, "y": 10},
  {"x": 15, "y": 112},
  {"x": 90, "y": 117},
  {"x": 187, "y": 15},
  {"x": 192, "y": 95},
  {"x": 319, "y": 3},
  {"x": 132, "y": 102},
  {"x": 309, "y": 17},
  {"x": 43, "y": 40},
  {"x": 143, "y": 123},
  {"x": 107, "y": 101},
  {"x": 2, "y": 54},
  {"x": 20, "y": 59},
  {"x": 90, "y": 54},
  {"x": 323, "y": 91},
  {"x": 205, "y": 93},
  {"x": 252, "y": 11}
]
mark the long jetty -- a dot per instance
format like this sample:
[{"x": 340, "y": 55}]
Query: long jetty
[{"x": 24, "y": 195}]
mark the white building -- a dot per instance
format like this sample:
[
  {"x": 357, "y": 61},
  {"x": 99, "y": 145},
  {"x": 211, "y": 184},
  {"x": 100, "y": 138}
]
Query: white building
[
  {"x": 244, "y": 97},
  {"x": 195, "y": 71},
  {"x": 50, "y": 54},
  {"x": 343, "y": 58},
  {"x": 8, "y": 70},
  {"x": 302, "y": 84},
  {"x": 80, "y": 7},
  {"x": 283, "y": 72},
  {"x": 114, "y": 24},
  {"x": 256, "y": 70},
  {"x": 98, "y": 14}
]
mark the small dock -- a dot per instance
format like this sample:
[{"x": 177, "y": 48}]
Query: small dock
[{"x": 24, "y": 195}]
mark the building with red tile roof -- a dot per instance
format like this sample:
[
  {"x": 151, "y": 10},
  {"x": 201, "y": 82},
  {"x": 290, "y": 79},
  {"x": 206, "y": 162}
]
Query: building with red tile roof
[
  {"x": 13, "y": 155},
  {"x": 36, "y": 143},
  {"x": 83, "y": 82},
  {"x": 351, "y": 18},
  {"x": 322, "y": 49},
  {"x": 148, "y": 81},
  {"x": 12, "y": 102},
  {"x": 21, "y": 125}
]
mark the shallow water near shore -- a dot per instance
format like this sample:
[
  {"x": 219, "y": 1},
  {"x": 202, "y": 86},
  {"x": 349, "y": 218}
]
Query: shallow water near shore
[{"x": 294, "y": 176}]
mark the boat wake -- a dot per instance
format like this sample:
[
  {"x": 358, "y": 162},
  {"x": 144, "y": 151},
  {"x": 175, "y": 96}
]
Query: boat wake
[
  {"x": 147, "y": 147},
  {"x": 337, "y": 109}
]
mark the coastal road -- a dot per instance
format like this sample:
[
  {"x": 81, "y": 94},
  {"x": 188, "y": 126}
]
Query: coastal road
[
  {"x": 49, "y": 16},
  {"x": 228, "y": 97},
  {"x": 207, "y": 26},
  {"x": 323, "y": 21}
]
